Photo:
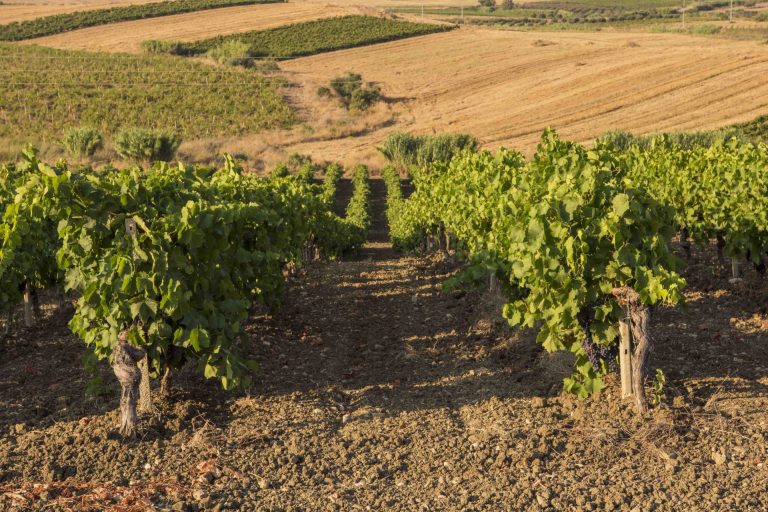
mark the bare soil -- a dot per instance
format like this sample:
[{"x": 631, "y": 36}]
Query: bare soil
[{"x": 380, "y": 391}]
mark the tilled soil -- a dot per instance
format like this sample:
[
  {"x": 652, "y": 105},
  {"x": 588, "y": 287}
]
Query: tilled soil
[{"x": 379, "y": 391}]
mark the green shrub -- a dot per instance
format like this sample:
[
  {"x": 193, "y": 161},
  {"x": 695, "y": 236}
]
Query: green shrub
[
  {"x": 400, "y": 148},
  {"x": 442, "y": 147},
  {"x": 352, "y": 93},
  {"x": 143, "y": 145},
  {"x": 345, "y": 85},
  {"x": 507, "y": 5},
  {"x": 83, "y": 141},
  {"x": 363, "y": 98},
  {"x": 490, "y": 4},
  {"x": 405, "y": 150},
  {"x": 324, "y": 92},
  {"x": 232, "y": 53}
]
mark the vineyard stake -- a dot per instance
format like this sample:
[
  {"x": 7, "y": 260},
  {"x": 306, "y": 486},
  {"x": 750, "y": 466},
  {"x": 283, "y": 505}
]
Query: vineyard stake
[
  {"x": 28, "y": 312},
  {"x": 639, "y": 316},
  {"x": 625, "y": 359},
  {"x": 735, "y": 270}
]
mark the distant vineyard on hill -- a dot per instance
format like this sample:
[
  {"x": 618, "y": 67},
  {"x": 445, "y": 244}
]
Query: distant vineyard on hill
[
  {"x": 59, "y": 23},
  {"x": 320, "y": 36},
  {"x": 44, "y": 91}
]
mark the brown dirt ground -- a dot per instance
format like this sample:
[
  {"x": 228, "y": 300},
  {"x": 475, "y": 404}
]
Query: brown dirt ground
[{"x": 378, "y": 391}]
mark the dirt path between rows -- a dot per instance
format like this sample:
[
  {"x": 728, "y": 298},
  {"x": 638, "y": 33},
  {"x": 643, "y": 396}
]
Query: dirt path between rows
[{"x": 379, "y": 391}]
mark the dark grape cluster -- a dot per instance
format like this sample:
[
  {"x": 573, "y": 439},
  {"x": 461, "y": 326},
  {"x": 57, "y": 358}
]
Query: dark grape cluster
[
  {"x": 594, "y": 351},
  {"x": 597, "y": 352}
]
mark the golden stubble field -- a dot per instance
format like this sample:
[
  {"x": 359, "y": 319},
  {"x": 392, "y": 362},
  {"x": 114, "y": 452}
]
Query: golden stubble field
[
  {"x": 23, "y": 10},
  {"x": 505, "y": 87},
  {"x": 502, "y": 86}
]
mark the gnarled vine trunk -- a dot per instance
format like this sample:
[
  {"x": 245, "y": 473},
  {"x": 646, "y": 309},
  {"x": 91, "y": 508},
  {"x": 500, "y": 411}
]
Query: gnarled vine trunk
[
  {"x": 720, "y": 249},
  {"x": 639, "y": 316},
  {"x": 685, "y": 242},
  {"x": 125, "y": 365}
]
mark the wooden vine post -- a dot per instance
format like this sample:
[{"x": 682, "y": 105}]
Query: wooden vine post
[
  {"x": 29, "y": 316},
  {"x": 735, "y": 269},
  {"x": 625, "y": 359},
  {"x": 638, "y": 316}
]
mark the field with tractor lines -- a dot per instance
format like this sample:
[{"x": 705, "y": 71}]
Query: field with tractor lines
[{"x": 506, "y": 86}]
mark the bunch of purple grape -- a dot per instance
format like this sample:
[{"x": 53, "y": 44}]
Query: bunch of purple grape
[{"x": 595, "y": 353}]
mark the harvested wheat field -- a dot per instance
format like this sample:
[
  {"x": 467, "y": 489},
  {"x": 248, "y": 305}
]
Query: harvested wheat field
[
  {"x": 127, "y": 36},
  {"x": 23, "y": 11},
  {"x": 505, "y": 87}
]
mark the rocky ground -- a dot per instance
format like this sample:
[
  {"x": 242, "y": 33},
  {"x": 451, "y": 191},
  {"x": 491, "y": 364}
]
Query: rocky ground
[{"x": 378, "y": 391}]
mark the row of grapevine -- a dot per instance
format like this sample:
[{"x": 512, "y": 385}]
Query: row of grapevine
[
  {"x": 170, "y": 259},
  {"x": 718, "y": 192},
  {"x": 565, "y": 234},
  {"x": 395, "y": 204},
  {"x": 27, "y": 255},
  {"x": 335, "y": 236}
]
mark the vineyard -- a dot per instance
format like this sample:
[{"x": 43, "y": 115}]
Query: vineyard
[
  {"x": 313, "y": 257},
  {"x": 193, "y": 99},
  {"x": 567, "y": 233},
  {"x": 215, "y": 276},
  {"x": 320, "y": 36}
]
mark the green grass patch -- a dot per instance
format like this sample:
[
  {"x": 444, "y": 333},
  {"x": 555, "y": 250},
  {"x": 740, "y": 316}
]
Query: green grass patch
[
  {"x": 312, "y": 37},
  {"x": 59, "y": 23},
  {"x": 43, "y": 92}
]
